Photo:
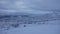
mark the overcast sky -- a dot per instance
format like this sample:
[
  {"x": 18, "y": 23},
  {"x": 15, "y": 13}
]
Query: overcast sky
[{"x": 29, "y": 6}]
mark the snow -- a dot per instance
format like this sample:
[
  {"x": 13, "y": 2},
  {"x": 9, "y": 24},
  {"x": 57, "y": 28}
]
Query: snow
[
  {"x": 44, "y": 26},
  {"x": 34, "y": 29},
  {"x": 49, "y": 27}
]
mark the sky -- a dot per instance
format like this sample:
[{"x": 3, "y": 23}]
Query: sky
[{"x": 29, "y": 6}]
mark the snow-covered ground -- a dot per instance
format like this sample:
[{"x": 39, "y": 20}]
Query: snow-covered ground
[
  {"x": 34, "y": 29},
  {"x": 43, "y": 27},
  {"x": 27, "y": 25}
]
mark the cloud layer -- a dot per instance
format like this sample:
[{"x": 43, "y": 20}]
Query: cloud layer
[{"x": 30, "y": 6}]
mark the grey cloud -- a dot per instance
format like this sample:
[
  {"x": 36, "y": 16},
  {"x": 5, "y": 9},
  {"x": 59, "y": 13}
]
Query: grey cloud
[{"x": 29, "y": 5}]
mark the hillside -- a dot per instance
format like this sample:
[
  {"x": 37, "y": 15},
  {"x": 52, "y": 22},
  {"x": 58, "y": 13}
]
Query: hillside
[{"x": 14, "y": 20}]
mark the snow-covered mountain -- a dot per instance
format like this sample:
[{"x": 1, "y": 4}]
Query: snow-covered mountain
[{"x": 14, "y": 20}]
